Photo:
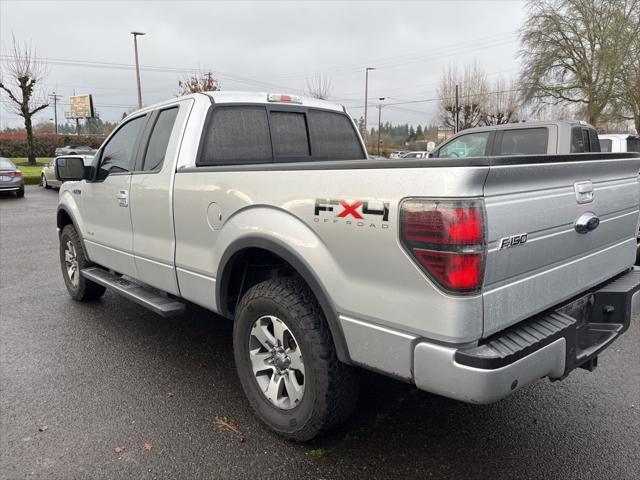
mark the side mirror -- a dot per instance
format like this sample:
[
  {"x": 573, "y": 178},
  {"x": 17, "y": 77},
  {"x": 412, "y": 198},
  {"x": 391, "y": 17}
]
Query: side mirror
[{"x": 70, "y": 169}]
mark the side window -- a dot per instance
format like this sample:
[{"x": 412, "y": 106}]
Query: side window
[
  {"x": 524, "y": 141},
  {"x": 157, "y": 146},
  {"x": 471, "y": 145},
  {"x": 118, "y": 155},
  {"x": 333, "y": 137},
  {"x": 606, "y": 144},
  {"x": 289, "y": 134},
  {"x": 237, "y": 135}
]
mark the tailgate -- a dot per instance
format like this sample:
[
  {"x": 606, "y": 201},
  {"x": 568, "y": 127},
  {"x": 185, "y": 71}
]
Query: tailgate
[{"x": 544, "y": 200}]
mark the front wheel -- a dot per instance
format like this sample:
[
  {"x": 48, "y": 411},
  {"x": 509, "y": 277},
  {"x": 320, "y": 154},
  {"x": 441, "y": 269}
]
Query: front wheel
[
  {"x": 43, "y": 181},
  {"x": 287, "y": 362},
  {"x": 72, "y": 261}
]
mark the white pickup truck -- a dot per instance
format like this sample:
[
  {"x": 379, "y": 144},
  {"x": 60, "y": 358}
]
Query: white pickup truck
[{"x": 468, "y": 277}]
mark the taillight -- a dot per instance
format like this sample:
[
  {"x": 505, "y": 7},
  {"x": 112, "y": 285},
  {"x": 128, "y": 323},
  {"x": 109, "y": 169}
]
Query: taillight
[
  {"x": 446, "y": 238},
  {"x": 16, "y": 173}
]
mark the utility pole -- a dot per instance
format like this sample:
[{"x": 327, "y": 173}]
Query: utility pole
[
  {"x": 135, "y": 47},
  {"x": 379, "y": 121},
  {"x": 457, "y": 115},
  {"x": 366, "y": 101},
  {"x": 55, "y": 109}
]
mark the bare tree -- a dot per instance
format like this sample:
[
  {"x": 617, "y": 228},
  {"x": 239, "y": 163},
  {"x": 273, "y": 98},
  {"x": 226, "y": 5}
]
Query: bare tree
[
  {"x": 19, "y": 80},
  {"x": 472, "y": 91},
  {"x": 573, "y": 51},
  {"x": 200, "y": 82},
  {"x": 319, "y": 87},
  {"x": 630, "y": 78},
  {"x": 501, "y": 104}
]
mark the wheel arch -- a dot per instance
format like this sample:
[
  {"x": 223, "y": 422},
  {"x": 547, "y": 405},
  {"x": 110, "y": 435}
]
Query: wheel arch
[
  {"x": 64, "y": 217},
  {"x": 297, "y": 264}
]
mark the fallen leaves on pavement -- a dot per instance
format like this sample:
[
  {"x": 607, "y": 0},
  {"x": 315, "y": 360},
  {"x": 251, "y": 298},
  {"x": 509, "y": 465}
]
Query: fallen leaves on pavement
[
  {"x": 147, "y": 447},
  {"x": 119, "y": 449},
  {"x": 43, "y": 428},
  {"x": 229, "y": 425}
]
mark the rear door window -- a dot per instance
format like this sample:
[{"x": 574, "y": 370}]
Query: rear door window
[
  {"x": 524, "y": 141},
  {"x": 159, "y": 140},
  {"x": 237, "y": 135},
  {"x": 470, "y": 145}
]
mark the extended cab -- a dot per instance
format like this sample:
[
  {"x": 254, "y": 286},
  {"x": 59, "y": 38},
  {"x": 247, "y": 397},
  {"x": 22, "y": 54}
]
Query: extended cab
[{"x": 469, "y": 278}]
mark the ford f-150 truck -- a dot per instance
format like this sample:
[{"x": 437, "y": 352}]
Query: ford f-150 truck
[{"x": 469, "y": 278}]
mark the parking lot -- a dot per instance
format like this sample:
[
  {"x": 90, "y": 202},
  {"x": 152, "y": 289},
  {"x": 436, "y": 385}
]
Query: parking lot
[{"x": 112, "y": 375}]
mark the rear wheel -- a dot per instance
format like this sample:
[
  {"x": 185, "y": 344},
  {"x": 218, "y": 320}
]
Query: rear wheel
[
  {"x": 287, "y": 363},
  {"x": 20, "y": 193},
  {"x": 72, "y": 261}
]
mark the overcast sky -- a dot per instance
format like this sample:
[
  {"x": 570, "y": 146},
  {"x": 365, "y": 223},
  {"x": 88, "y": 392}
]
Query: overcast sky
[{"x": 263, "y": 46}]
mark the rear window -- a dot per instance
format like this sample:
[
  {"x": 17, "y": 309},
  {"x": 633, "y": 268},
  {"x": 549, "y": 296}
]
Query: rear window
[
  {"x": 606, "y": 144},
  {"x": 584, "y": 140},
  {"x": 254, "y": 134},
  {"x": 524, "y": 141},
  {"x": 6, "y": 164},
  {"x": 633, "y": 144},
  {"x": 333, "y": 137},
  {"x": 237, "y": 135},
  {"x": 289, "y": 134}
]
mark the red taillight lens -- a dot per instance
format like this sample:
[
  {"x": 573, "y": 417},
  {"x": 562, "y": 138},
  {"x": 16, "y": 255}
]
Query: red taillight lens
[
  {"x": 446, "y": 238},
  {"x": 17, "y": 173},
  {"x": 454, "y": 271}
]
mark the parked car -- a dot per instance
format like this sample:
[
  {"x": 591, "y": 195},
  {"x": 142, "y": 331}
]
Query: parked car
[
  {"x": 397, "y": 154},
  {"x": 11, "y": 178},
  {"x": 48, "y": 174},
  {"x": 619, "y": 142},
  {"x": 469, "y": 279},
  {"x": 536, "y": 138},
  {"x": 74, "y": 150},
  {"x": 415, "y": 155}
]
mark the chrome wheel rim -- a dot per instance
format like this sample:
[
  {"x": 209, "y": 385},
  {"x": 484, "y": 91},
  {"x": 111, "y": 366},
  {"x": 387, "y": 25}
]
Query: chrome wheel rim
[
  {"x": 71, "y": 263},
  {"x": 44, "y": 181},
  {"x": 276, "y": 361}
]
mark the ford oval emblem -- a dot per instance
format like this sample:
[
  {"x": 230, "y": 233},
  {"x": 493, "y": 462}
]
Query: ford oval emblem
[{"x": 587, "y": 222}]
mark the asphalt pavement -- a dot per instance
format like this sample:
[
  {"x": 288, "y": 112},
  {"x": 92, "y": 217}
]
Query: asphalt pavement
[{"x": 111, "y": 375}]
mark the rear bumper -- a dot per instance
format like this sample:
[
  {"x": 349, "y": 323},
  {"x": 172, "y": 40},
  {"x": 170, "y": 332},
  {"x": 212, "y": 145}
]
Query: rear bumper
[
  {"x": 11, "y": 188},
  {"x": 551, "y": 345}
]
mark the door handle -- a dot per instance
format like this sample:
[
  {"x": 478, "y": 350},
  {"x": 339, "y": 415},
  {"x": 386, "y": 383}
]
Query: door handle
[{"x": 123, "y": 198}]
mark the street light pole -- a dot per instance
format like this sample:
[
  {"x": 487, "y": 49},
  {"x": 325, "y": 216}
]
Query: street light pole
[
  {"x": 55, "y": 98},
  {"x": 379, "y": 121},
  {"x": 135, "y": 47},
  {"x": 366, "y": 101}
]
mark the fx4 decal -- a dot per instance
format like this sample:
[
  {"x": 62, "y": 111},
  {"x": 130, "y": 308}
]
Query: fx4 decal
[{"x": 370, "y": 213}]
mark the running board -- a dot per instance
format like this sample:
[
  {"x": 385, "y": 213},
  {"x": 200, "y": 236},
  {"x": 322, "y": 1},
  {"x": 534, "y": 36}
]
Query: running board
[{"x": 147, "y": 297}]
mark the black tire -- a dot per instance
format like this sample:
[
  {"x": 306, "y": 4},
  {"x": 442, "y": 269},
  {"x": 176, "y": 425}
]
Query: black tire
[
  {"x": 43, "y": 182},
  {"x": 20, "y": 193},
  {"x": 331, "y": 387},
  {"x": 85, "y": 290}
]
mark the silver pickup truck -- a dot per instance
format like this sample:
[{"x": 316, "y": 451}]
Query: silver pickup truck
[{"x": 469, "y": 278}]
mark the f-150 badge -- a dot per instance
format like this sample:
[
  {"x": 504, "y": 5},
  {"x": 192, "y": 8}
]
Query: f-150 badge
[{"x": 512, "y": 241}]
